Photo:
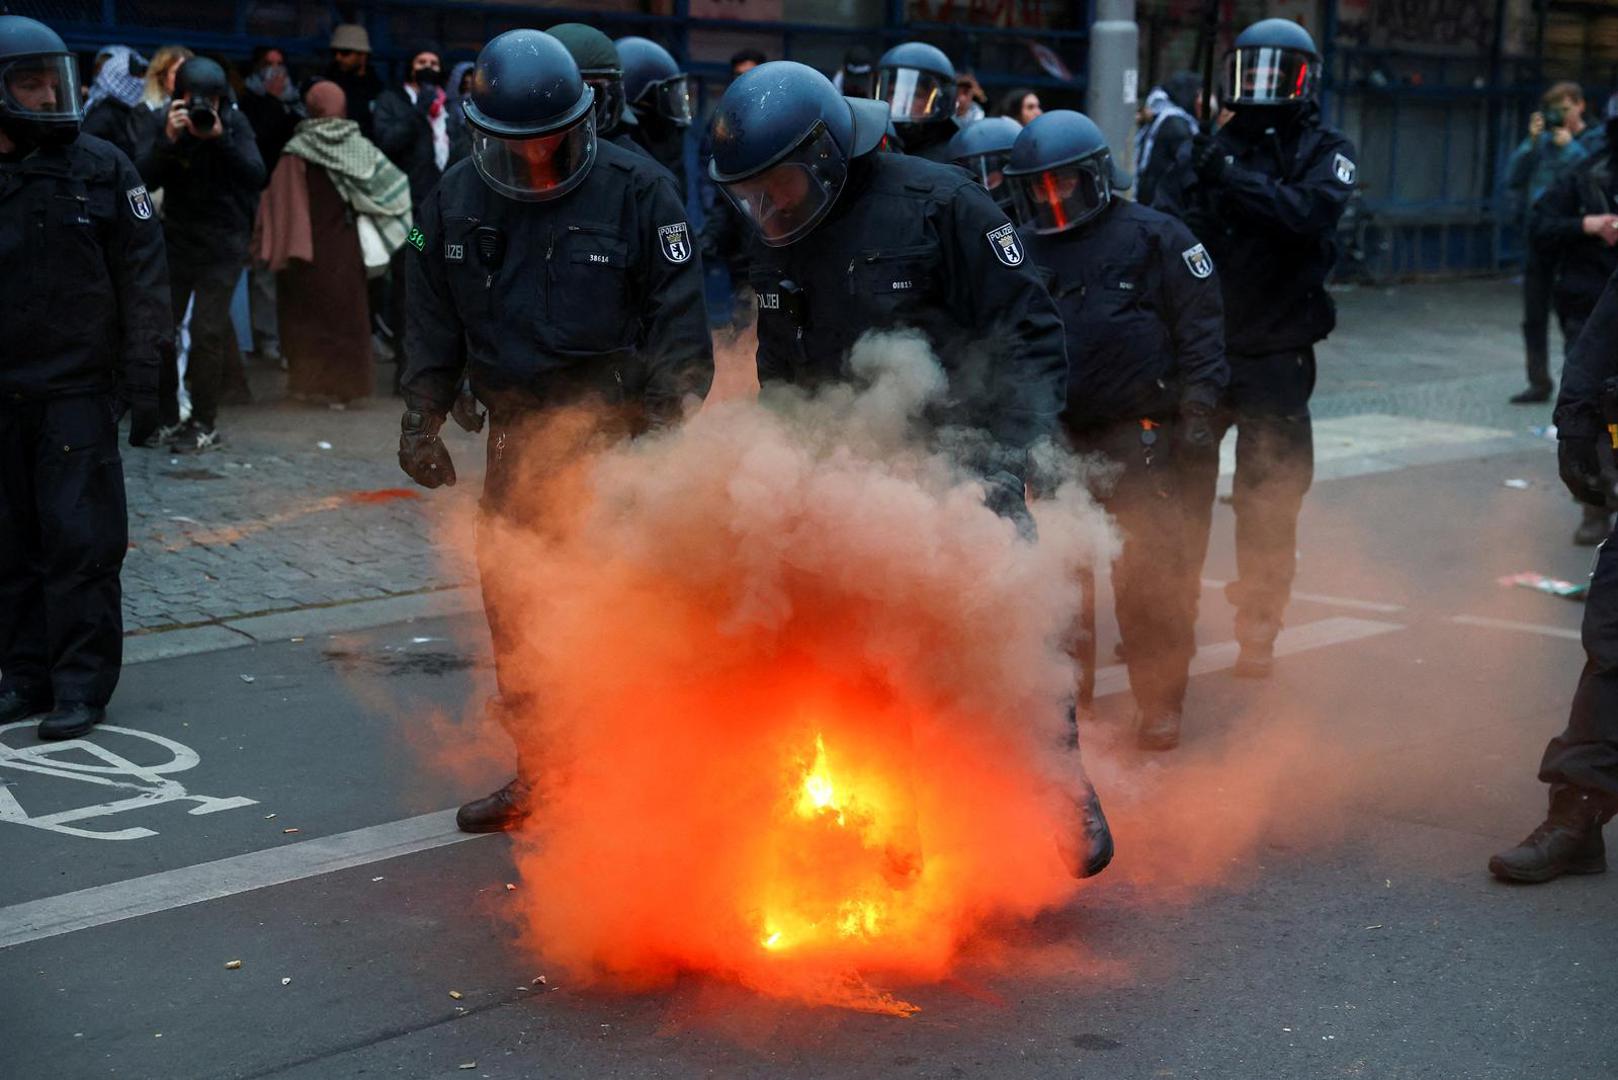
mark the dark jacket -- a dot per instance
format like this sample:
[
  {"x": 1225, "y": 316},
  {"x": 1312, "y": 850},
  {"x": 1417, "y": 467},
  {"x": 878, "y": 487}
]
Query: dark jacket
[
  {"x": 210, "y": 187},
  {"x": 273, "y": 123},
  {"x": 599, "y": 291},
  {"x": 1591, "y": 361},
  {"x": 87, "y": 299},
  {"x": 1556, "y": 229},
  {"x": 1173, "y": 133},
  {"x": 664, "y": 143},
  {"x": 914, "y": 244},
  {"x": 405, "y": 133},
  {"x": 362, "y": 91},
  {"x": 1270, "y": 224},
  {"x": 117, "y": 123},
  {"x": 1139, "y": 298},
  {"x": 929, "y": 141}
]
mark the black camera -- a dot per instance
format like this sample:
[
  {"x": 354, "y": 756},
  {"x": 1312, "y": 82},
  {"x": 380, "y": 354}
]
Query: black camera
[
  {"x": 204, "y": 117},
  {"x": 1554, "y": 117}
]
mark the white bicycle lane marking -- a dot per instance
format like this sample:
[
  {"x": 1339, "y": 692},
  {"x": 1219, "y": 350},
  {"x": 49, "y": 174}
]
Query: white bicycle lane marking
[{"x": 150, "y": 785}]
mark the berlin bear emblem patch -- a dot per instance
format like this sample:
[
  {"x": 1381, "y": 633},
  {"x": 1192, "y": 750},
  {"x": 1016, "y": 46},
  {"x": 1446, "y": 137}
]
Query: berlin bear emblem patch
[
  {"x": 676, "y": 241},
  {"x": 1007, "y": 244},
  {"x": 1345, "y": 169},
  {"x": 1198, "y": 261},
  {"x": 140, "y": 203}
]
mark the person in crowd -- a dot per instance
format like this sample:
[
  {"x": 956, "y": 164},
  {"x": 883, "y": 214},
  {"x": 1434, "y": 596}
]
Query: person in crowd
[
  {"x": 1022, "y": 105},
  {"x": 970, "y": 100},
  {"x": 271, "y": 104},
  {"x": 1264, "y": 194},
  {"x": 659, "y": 97},
  {"x": 1146, "y": 368},
  {"x": 854, "y": 240},
  {"x": 857, "y": 75},
  {"x": 625, "y": 326},
  {"x": 85, "y": 318},
  {"x": 202, "y": 152},
  {"x": 112, "y": 110},
  {"x": 329, "y": 180},
  {"x": 601, "y": 67},
  {"x": 917, "y": 83},
  {"x": 1581, "y": 764},
  {"x": 350, "y": 68},
  {"x": 1168, "y": 120},
  {"x": 1550, "y": 149},
  {"x": 158, "y": 88}
]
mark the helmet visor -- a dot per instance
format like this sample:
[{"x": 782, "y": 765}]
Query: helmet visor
[
  {"x": 988, "y": 169},
  {"x": 913, "y": 96},
  {"x": 672, "y": 100},
  {"x": 538, "y": 168},
  {"x": 1265, "y": 76},
  {"x": 1062, "y": 198},
  {"x": 41, "y": 88},
  {"x": 609, "y": 91},
  {"x": 788, "y": 199}
]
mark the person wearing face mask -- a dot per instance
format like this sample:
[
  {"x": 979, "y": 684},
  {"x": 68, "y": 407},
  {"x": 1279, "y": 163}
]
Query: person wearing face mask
[
  {"x": 84, "y": 320},
  {"x": 350, "y": 68},
  {"x": 659, "y": 97},
  {"x": 412, "y": 124},
  {"x": 1264, "y": 194}
]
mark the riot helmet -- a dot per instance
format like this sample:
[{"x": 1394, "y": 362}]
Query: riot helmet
[
  {"x": 917, "y": 82},
  {"x": 531, "y": 117},
  {"x": 600, "y": 68},
  {"x": 1061, "y": 173},
  {"x": 39, "y": 84},
  {"x": 1272, "y": 63},
  {"x": 983, "y": 148},
  {"x": 783, "y": 138},
  {"x": 653, "y": 82}
]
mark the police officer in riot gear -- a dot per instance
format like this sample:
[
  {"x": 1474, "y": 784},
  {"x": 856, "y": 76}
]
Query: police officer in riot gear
[
  {"x": 84, "y": 319},
  {"x": 1146, "y": 367},
  {"x": 981, "y": 148},
  {"x": 917, "y": 83},
  {"x": 552, "y": 268},
  {"x": 603, "y": 73},
  {"x": 659, "y": 96},
  {"x": 854, "y": 240},
  {"x": 1265, "y": 194},
  {"x": 1581, "y": 764}
]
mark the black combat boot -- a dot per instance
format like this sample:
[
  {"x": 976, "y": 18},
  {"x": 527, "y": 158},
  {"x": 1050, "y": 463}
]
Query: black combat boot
[
  {"x": 1595, "y": 527},
  {"x": 70, "y": 719},
  {"x": 1255, "y": 661},
  {"x": 1157, "y": 729},
  {"x": 1087, "y": 847},
  {"x": 21, "y": 704},
  {"x": 505, "y": 809},
  {"x": 1567, "y": 842}
]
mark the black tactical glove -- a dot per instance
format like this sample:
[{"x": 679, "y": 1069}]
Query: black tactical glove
[
  {"x": 422, "y": 454},
  {"x": 1208, "y": 158},
  {"x": 144, "y": 420},
  {"x": 465, "y": 411},
  {"x": 1005, "y": 495},
  {"x": 1576, "y": 460},
  {"x": 1196, "y": 430}
]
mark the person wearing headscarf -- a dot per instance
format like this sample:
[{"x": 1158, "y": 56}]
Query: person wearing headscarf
[
  {"x": 335, "y": 210},
  {"x": 1172, "y": 109},
  {"x": 110, "y": 111}
]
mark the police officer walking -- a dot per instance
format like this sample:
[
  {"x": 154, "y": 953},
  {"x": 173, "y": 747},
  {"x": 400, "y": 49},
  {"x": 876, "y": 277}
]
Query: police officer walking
[
  {"x": 856, "y": 240},
  {"x": 553, "y": 268},
  {"x": 1146, "y": 367},
  {"x": 1265, "y": 194},
  {"x": 982, "y": 148},
  {"x": 659, "y": 96},
  {"x": 85, "y": 315},
  {"x": 603, "y": 73},
  {"x": 917, "y": 83},
  {"x": 1581, "y": 764}
]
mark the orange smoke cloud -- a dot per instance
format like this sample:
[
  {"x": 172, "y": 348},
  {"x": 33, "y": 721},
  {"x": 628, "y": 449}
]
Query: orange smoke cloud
[{"x": 799, "y": 697}]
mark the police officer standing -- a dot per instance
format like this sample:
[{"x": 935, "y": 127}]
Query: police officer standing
[
  {"x": 1265, "y": 194},
  {"x": 603, "y": 72},
  {"x": 553, "y": 268},
  {"x": 1146, "y": 366},
  {"x": 982, "y": 149},
  {"x": 85, "y": 314},
  {"x": 659, "y": 96},
  {"x": 1581, "y": 764},
  {"x": 856, "y": 240},
  {"x": 917, "y": 83}
]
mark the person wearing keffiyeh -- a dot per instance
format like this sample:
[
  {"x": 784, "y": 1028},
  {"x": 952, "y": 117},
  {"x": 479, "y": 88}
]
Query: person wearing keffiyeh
[
  {"x": 110, "y": 111},
  {"x": 1172, "y": 108}
]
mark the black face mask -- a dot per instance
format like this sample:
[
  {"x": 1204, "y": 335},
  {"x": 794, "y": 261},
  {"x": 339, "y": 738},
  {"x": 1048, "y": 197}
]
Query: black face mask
[
  {"x": 1252, "y": 121},
  {"x": 429, "y": 76}
]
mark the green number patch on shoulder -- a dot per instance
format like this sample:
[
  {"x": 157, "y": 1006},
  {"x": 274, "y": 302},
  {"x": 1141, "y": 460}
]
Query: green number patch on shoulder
[{"x": 417, "y": 239}]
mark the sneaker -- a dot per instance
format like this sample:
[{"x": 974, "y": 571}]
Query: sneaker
[
  {"x": 163, "y": 436},
  {"x": 194, "y": 438}
]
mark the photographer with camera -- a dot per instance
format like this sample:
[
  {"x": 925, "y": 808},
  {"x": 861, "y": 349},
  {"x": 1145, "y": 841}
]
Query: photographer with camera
[
  {"x": 205, "y": 158},
  {"x": 1551, "y": 148}
]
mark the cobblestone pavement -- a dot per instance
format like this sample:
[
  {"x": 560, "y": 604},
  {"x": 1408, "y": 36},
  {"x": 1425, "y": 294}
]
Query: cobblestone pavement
[{"x": 305, "y": 506}]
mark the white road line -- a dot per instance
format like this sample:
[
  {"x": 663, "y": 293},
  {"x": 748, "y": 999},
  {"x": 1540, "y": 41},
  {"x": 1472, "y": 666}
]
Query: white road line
[
  {"x": 1328, "y": 601},
  {"x": 103, "y": 904},
  {"x": 1522, "y": 627},
  {"x": 1293, "y": 639}
]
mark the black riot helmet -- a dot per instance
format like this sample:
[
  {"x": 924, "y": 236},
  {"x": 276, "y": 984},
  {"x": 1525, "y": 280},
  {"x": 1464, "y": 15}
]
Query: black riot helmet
[
  {"x": 783, "y": 138},
  {"x": 531, "y": 117},
  {"x": 917, "y": 82},
  {"x": 39, "y": 84},
  {"x": 1274, "y": 62},
  {"x": 1061, "y": 173},
  {"x": 599, "y": 66},
  {"x": 653, "y": 82},
  {"x": 983, "y": 147}
]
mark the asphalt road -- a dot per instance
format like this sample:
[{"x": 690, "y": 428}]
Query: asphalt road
[{"x": 1354, "y": 932}]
